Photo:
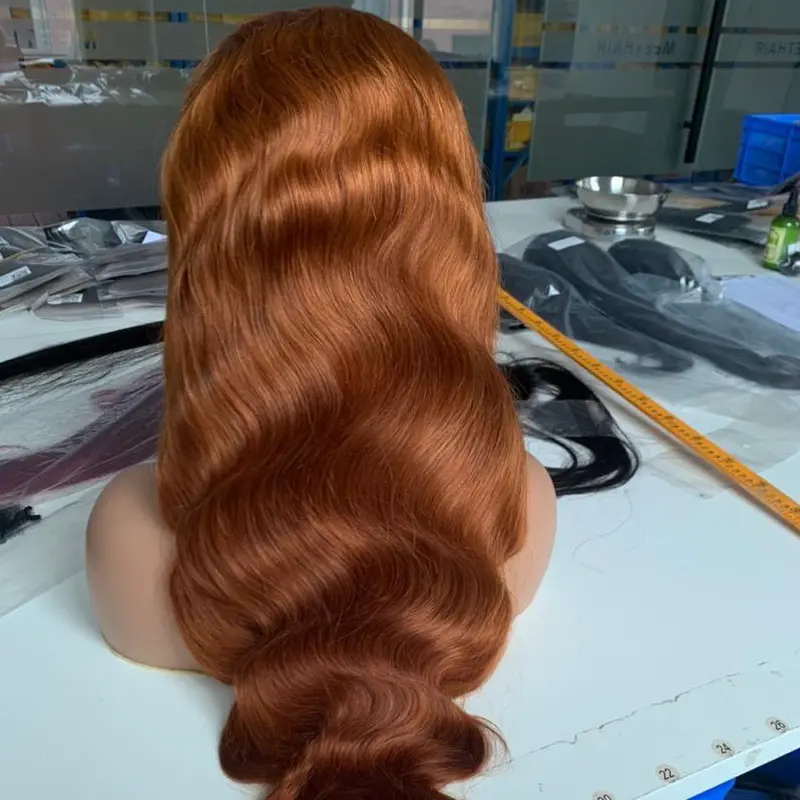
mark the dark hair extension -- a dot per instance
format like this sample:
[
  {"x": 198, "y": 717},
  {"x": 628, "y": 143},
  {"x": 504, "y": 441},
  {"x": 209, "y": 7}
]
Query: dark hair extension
[
  {"x": 557, "y": 407},
  {"x": 56, "y": 358},
  {"x": 554, "y": 298},
  {"x": 13, "y": 519},
  {"x": 605, "y": 285},
  {"x": 599, "y": 455}
]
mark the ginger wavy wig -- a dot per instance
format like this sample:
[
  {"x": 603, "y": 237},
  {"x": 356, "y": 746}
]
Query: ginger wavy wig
[{"x": 340, "y": 459}]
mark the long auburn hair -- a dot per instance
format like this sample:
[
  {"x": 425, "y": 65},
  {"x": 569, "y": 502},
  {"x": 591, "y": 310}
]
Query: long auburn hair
[{"x": 340, "y": 460}]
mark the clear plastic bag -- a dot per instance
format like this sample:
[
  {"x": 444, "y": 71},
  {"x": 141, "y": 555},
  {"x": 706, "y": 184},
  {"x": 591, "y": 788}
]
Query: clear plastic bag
[
  {"x": 732, "y": 197},
  {"x": 112, "y": 249},
  {"x": 28, "y": 262},
  {"x": 128, "y": 260},
  {"x": 22, "y": 280},
  {"x": 85, "y": 304},
  {"x": 717, "y": 223},
  {"x": 82, "y": 268},
  {"x": 656, "y": 315},
  {"x": 60, "y": 432},
  {"x": 150, "y": 284},
  {"x": 93, "y": 84},
  {"x": 65, "y": 431},
  {"x": 95, "y": 237}
]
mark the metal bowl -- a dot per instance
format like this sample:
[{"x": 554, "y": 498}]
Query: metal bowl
[{"x": 621, "y": 199}]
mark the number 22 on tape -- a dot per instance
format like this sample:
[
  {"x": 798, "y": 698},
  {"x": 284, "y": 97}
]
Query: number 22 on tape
[{"x": 737, "y": 473}]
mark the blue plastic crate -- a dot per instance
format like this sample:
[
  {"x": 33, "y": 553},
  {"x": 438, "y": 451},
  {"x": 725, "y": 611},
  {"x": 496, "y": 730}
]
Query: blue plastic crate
[
  {"x": 770, "y": 149},
  {"x": 720, "y": 793},
  {"x": 783, "y": 773}
]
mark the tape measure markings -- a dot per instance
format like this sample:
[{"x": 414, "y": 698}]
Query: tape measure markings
[{"x": 742, "y": 476}]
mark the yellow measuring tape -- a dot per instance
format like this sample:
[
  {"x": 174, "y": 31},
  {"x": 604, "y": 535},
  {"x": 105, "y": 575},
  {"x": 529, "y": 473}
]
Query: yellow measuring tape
[{"x": 737, "y": 473}]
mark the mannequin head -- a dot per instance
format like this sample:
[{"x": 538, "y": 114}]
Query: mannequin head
[{"x": 340, "y": 459}]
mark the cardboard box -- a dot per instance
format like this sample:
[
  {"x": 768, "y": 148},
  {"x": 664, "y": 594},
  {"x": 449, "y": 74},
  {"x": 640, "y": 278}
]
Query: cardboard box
[
  {"x": 522, "y": 82},
  {"x": 527, "y": 29}
]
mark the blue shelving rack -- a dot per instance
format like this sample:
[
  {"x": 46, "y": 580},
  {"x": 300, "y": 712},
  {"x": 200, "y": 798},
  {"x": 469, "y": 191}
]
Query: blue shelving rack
[
  {"x": 499, "y": 105},
  {"x": 500, "y": 164}
]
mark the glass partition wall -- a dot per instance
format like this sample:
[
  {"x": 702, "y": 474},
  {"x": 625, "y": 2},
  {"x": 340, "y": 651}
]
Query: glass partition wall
[
  {"x": 634, "y": 87},
  {"x": 552, "y": 89},
  {"x": 754, "y": 68},
  {"x": 616, "y": 78},
  {"x": 89, "y": 89}
]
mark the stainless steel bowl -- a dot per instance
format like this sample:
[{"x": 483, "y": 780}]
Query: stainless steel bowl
[{"x": 621, "y": 199}]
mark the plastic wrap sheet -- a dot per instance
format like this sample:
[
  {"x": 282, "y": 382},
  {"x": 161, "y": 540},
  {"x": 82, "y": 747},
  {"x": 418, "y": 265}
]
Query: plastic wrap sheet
[
  {"x": 61, "y": 432},
  {"x": 82, "y": 268},
  {"x": 152, "y": 284},
  {"x": 663, "y": 322},
  {"x": 29, "y": 262},
  {"x": 87, "y": 85}
]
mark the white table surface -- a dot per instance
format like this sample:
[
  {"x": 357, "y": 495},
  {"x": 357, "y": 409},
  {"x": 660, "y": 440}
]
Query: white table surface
[{"x": 664, "y": 627}]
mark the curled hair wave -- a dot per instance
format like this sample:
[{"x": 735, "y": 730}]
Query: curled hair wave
[{"x": 340, "y": 460}]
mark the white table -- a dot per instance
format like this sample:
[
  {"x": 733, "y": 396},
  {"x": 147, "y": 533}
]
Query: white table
[{"x": 662, "y": 636}]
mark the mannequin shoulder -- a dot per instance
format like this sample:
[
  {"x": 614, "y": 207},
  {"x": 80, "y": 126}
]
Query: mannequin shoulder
[{"x": 129, "y": 553}]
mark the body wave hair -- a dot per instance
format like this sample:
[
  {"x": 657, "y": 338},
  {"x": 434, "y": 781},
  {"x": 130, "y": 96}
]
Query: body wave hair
[{"x": 340, "y": 459}]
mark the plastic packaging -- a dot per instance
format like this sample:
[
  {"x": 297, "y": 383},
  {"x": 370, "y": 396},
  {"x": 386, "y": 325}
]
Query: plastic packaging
[
  {"x": 655, "y": 314},
  {"x": 23, "y": 277},
  {"x": 716, "y": 223},
  {"x": 28, "y": 262},
  {"x": 89, "y": 84},
  {"x": 128, "y": 260},
  {"x": 732, "y": 196},
  {"x": 64, "y": 430},
  {"x": 82, "y": 268},
  {"x": 85, "y": 304},
  {"x": 151, "y": 284}
]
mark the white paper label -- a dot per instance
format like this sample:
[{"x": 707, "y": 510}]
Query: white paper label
[
  {"x": 708, "y": 219},
  {"x": 152, "y": 236},
  {"x": 66, "y": 298},
  {"x": 753, "y": 204},
  {"x": 14, "y": 276},
  {"x": 563, "y": 244}
]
